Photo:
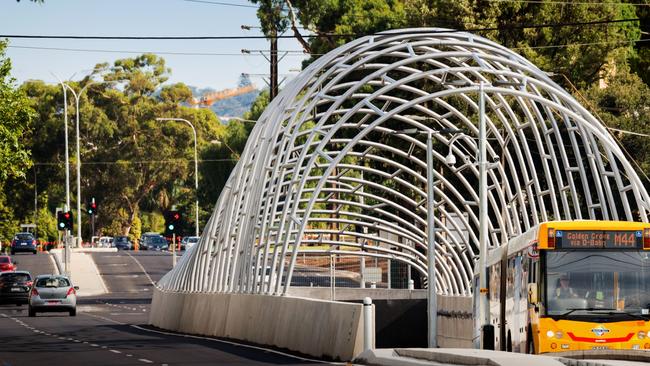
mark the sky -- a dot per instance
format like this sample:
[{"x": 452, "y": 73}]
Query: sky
[{"x": 47, "y": 59}]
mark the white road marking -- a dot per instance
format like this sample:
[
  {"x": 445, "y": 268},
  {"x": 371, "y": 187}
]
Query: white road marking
[
  {"x": 114, "y": 351},
  {"x": 142, "y": 268},
  {"x": 238, "y": 344},
  {"x": 144, "y": 360}
]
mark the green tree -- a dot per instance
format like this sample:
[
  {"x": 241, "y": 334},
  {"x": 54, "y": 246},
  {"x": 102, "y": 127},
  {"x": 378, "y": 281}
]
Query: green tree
[
  {"x": 128, "y": 158},
  {"x": 15, "y": 121}
]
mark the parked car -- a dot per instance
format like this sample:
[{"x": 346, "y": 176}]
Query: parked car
[
  {"x": 123, "y": 243},
  {"x": 105, "y": 242},
  {"x": 6, "y": 264},
  {"x": 23, "y": 242},
  {"x": 53, "y": 293},
  {"x": 14, "y": 287},
  {"x": 153, "y": 241},
  {"x": 188, "y": 242}
]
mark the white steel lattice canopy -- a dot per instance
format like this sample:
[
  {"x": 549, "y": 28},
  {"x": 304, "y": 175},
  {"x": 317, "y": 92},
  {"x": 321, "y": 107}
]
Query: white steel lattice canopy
[{"x": 330, "y": 162}]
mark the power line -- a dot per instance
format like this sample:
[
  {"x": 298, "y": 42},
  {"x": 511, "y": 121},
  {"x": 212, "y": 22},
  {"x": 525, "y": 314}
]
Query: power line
[
  {"x": 221, "y": 3},
  {"x": 290, "y": 53},
  {"x": 159, "y": 38},
  {"x": 581, "y": 44},
  {"x": 141, "y": 162},
  {"x": 566, "y": 2}
]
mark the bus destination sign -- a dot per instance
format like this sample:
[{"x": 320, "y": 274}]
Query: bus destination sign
[{"x": 587, "y": 239}]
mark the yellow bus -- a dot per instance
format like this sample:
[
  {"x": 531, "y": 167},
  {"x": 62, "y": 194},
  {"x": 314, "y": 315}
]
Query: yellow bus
[{"x": 566, "y": 286}]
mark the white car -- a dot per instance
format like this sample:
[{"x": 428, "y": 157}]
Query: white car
[
  {"x": 53, "y": 293},
  {"x": 105, "y": 242},
  {"x": 189, "y": 241}
]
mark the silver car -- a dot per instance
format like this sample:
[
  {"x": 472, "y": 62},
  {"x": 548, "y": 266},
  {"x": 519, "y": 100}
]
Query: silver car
[{"x": 53, "y": 293}]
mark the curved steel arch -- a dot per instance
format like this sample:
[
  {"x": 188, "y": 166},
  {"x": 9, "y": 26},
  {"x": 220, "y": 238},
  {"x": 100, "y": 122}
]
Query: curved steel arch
[{"x": 330, "y": 153}]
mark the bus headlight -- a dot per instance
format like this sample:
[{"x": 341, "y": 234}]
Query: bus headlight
[
  {"x": 641, "y": 334},
  {"x": 550, "y": 334},
  {"x": 558, "y": 334}
]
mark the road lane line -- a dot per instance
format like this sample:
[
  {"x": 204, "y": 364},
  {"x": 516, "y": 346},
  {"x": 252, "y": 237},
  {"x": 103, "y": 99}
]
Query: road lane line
[
  {"x": 105, "y": 318},
  {"x": 141, "y": 267},
  {"x": 240, "y": 345},
  {"x": 114, "y": 351},
  {"x": 144, "y": 360}
]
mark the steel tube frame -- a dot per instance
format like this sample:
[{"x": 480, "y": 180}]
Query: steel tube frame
[{"x": 333, "y": 118}]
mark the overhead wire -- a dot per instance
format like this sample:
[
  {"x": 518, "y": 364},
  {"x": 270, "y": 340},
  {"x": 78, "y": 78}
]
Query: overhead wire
[
  {"x": 128, "y": 162},
  {"x": 405, "y": 32},
  {"x": 555, "y": 2},
  {"x": 222, "y": 3},
  {"x": 289, "y": 53}
]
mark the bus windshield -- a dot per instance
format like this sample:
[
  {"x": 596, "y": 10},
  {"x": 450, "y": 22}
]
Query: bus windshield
[{"x": 584, "y": 282}]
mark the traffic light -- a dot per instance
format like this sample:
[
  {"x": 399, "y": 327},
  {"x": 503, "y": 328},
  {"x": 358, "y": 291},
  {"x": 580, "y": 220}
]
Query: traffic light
[
  {"x": 92, "y": 207},
  {"x": 64, "y": 220},
  {"x": 172, "y": 222}
]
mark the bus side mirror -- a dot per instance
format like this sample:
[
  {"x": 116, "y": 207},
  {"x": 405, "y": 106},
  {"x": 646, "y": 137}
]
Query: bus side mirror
[{"x": 532, "y": 293}]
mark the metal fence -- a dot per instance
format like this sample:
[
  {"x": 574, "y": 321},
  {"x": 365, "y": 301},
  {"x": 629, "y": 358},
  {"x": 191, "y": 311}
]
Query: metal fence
[{"x": 349, "y": 271}]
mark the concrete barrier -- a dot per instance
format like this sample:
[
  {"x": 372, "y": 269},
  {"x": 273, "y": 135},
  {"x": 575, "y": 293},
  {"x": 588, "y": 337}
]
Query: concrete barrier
[
  {"x": 324, "y": 329},
  {"x": 455, "y": 323}
]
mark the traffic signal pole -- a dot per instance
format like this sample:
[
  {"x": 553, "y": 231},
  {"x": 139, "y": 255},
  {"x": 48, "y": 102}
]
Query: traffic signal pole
[{"x": 173, "y": 250}]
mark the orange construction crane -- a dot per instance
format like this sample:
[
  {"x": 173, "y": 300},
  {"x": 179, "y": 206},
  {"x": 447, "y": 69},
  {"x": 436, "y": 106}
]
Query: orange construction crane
[{"x": 206, "y": 100}]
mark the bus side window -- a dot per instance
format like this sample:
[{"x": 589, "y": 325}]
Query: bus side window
[
  {"x": 510, "y": 278},
  {"x": 525, "y": 276}
]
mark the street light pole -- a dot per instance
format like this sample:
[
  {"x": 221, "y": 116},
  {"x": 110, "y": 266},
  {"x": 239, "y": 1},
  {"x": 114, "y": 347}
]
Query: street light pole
[
  {"x": 77, "y": 96},
  {"x": 432, "y": 306},
  {"x": 196, "y": 169},
  {"x": 432, "y": 300},
  {"x": 482, "y": 182}
]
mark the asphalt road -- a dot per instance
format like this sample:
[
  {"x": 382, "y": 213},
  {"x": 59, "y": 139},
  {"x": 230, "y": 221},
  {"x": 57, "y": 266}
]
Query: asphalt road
[{"x": 112, "y": 329}]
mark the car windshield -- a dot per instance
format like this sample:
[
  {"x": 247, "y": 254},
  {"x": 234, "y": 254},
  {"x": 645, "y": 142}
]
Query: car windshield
[
  {"x": 121, "y": 239},
  {"x": 584, "y": 282},
  {"x": 193, "y": 240},
  {"x": 4, "y": 259},
  {"x": 15, "y": 277},
  {"x": 158, "y": 240},
  {"x": 53, "y": 282},
  {"x": 24, "y": 237}
]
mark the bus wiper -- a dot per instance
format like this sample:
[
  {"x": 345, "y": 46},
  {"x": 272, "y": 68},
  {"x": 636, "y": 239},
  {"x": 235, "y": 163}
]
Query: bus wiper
[
  {"x": 571, "y": 310},
  {"x": 619, "y": 312}
]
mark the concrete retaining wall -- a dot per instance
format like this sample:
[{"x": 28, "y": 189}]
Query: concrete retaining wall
[
  {"x": 313, "y": 327},
  {"x": 455, "y": 323}
]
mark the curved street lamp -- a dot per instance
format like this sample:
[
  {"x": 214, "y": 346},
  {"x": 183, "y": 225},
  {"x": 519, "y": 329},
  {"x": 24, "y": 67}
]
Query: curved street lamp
[
  {"x": 76, "y": 97},
  {"x": 196, "y": 168}
]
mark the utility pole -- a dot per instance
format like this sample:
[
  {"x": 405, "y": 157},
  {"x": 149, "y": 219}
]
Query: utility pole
[{"x": 274, "y": 65}]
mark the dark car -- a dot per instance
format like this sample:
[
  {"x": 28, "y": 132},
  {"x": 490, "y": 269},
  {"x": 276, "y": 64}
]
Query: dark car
[
  {"x": 152, "y": 241},
  {"x": 123, "y": 243},
  {"x": 23, "y": 242},
  {"x": 14, "y": 287}
]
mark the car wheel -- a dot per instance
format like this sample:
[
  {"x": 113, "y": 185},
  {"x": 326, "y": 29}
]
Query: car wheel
[
  {"x": 35, "y": 252},
  {"x": 31, "y": 312},
  {"x": 73, "y": 312},
  {"x": 12, "y": 252}
]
